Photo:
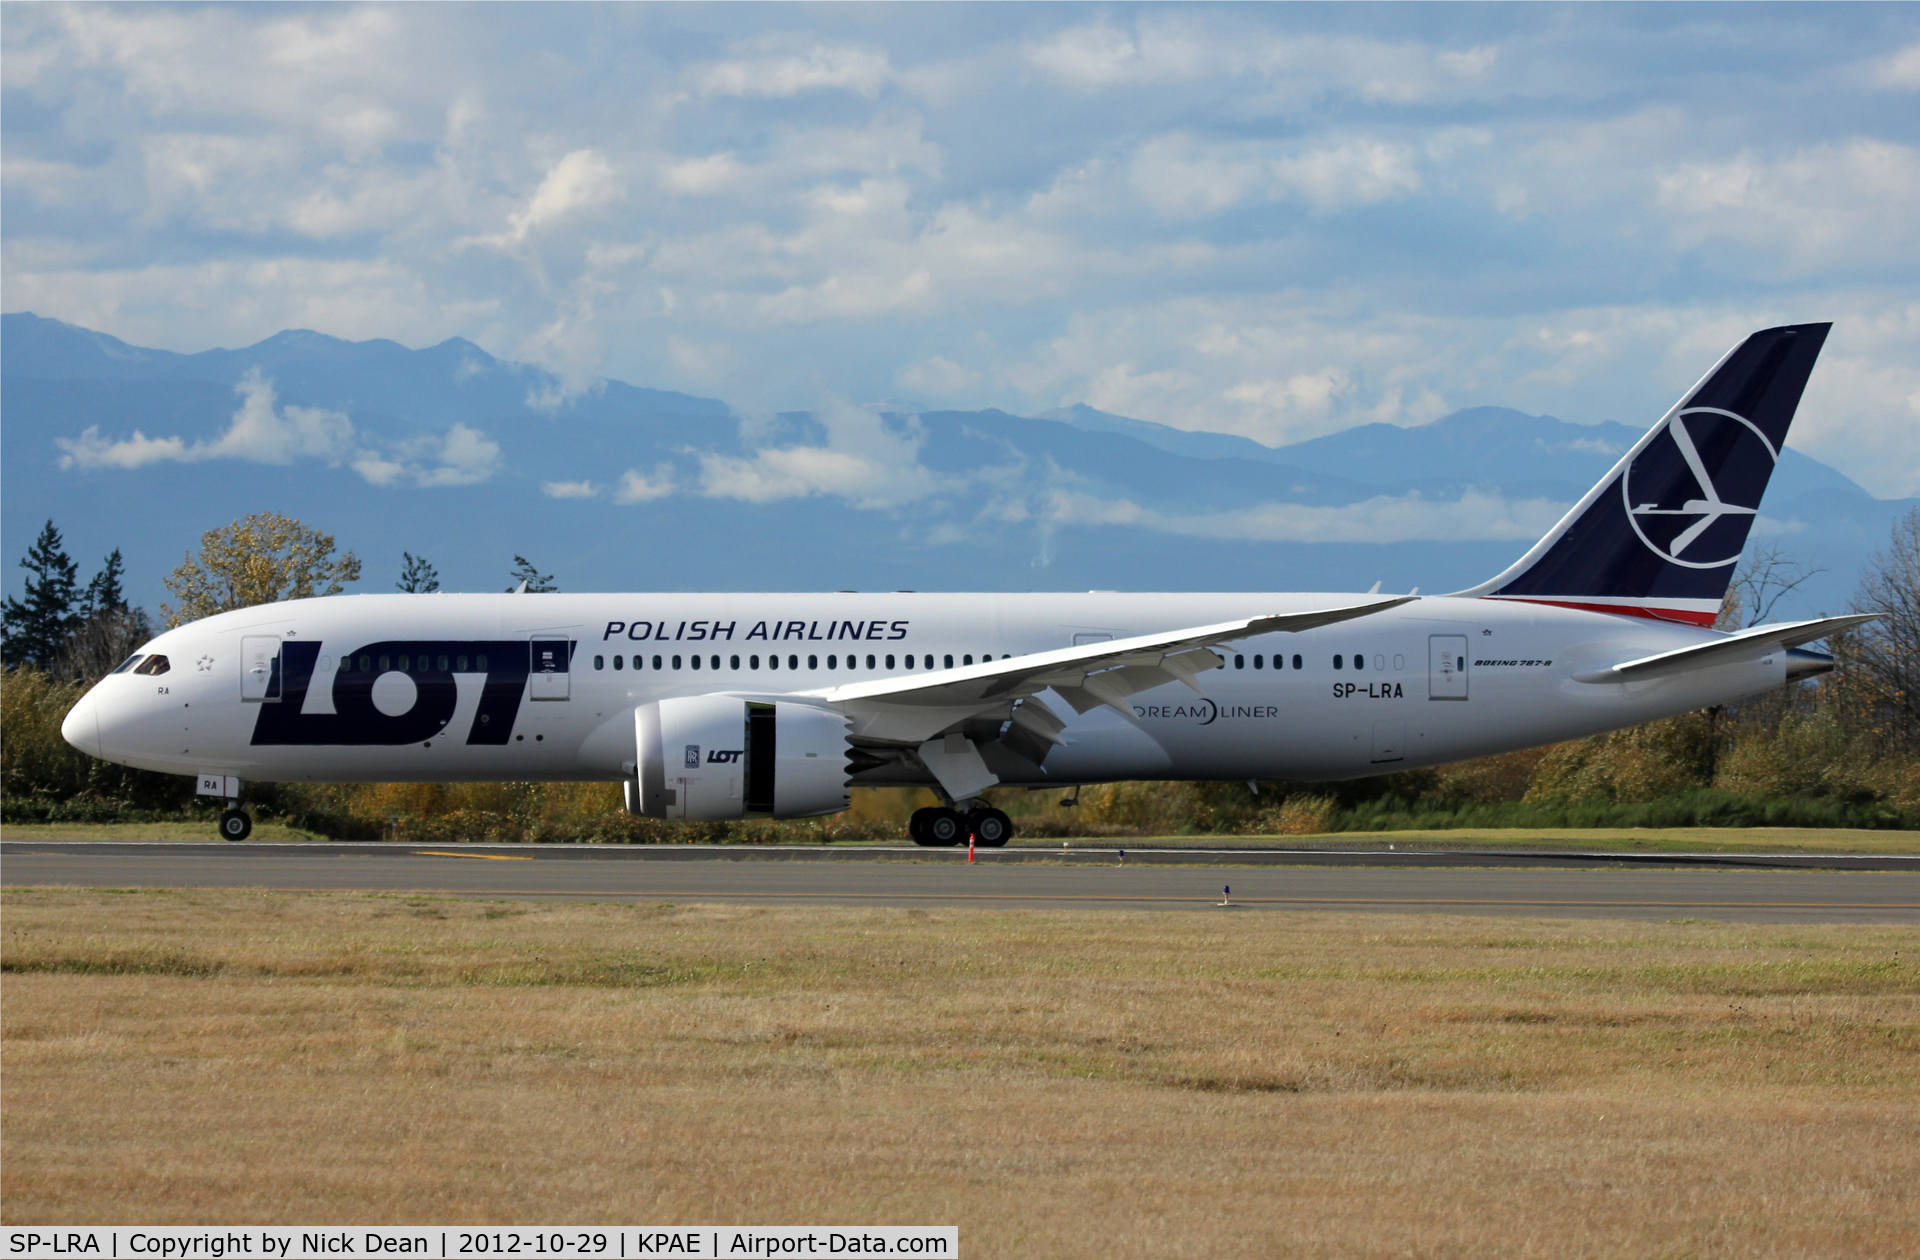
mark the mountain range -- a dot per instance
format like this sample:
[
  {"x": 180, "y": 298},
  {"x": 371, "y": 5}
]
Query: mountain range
[{"x": 469, "y": 460}]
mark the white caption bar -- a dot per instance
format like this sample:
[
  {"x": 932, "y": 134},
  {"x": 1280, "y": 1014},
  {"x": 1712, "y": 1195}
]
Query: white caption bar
[{"x": 627, "y": 1242}]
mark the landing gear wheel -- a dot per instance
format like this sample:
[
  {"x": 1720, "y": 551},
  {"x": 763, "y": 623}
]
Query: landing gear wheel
[
  {"x": 235, "y": 825},
  {"x": 944, "y": 828},
  {"x": 917, "y": 826},
  {"x": 991, "y": 829}
]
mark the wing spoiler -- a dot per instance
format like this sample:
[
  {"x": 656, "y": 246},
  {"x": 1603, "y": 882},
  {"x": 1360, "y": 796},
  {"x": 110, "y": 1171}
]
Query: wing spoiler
[{"x": 1745, "y": 645}]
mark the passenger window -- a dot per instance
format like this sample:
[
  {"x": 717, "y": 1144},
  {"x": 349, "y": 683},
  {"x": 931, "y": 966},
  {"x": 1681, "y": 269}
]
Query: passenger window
[
  {"x": 1257, "y": 658},
  {"x": 813, "y": 662},
  {"x": 620, "y": 662},
  {"x": 773, "y": 662},
  {"x": 1359, "y": 660},
  {"x": 403, "y": 664},
  {"x": 1337, "y": 659},
  {"x": 385, "y": 664},
  {"x": 714, "y": 662},
  {"x": 889, "y": 662},
  {"x": 1296, "y": 661},
  {"x": 1379, "y": 661},
  {"x": 733, "y": 662},
  {"x": 443, "y": 664},
  {"x": 967, "y": 659},
  {"x": 480, "y": 663},
  {"x": 833, "y": 662},
  {"x": 129, "y": 663},
  {"x": 656, "y": 662},
  {"x": 869, "y": 662},
  {"x": 909, "y": 659},
  {"x": 1239, "y": 662},
  {"x": 461, "y": 666},
  {"x": 949, "y": 664},
  {"x": 153, "y": 665},
  {"x": 1399, "y": 662},
  {"x": 793, "y": 662},
  {"x": 676, "y": 662},
  {"x": 753, "y": 662},
  {"x": 599, "y": 662}
]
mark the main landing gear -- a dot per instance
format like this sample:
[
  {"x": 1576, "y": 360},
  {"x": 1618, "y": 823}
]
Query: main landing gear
[
  {"x": 945, "y": 828},
  {"x": 234, "y": 824}
]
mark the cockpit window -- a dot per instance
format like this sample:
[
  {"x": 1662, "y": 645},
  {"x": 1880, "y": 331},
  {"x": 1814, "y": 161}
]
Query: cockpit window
[
  {"x": 152, "y": 665},
  {"x": 130, "y": 662}
]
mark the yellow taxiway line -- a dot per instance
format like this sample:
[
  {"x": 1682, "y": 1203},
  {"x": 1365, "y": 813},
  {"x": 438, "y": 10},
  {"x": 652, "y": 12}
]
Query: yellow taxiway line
[{"x": 490, "y": 857}]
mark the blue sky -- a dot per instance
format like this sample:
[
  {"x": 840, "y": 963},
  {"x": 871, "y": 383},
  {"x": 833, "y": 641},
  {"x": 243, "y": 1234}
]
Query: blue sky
[{"x": 1264, "y": 220}]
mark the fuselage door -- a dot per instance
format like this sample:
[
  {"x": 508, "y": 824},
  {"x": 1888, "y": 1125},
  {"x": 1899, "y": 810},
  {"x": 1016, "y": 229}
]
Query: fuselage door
[
  {"x": 1446, "y": 667},
  {"x": 548, "y": 678},
  {"x": 260, "y": 668}
]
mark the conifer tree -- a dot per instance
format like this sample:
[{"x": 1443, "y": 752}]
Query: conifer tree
[
  {"x": 37, "y": 627},
  {"x": 417, "y": 577},
  {"x": 529, "y": 580}
]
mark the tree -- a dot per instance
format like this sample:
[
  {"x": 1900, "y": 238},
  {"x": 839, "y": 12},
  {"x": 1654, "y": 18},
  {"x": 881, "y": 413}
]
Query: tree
[
  {"x": 37, "y": 626},
  {"x": 1881, "y": 660},
  {"x": 527, "y": 579},
  {"x": 1763, "y": 579},
  {"x": 106, "y": 592},
  {"x": 258, "y": 559},
  {"x": 101, "y": 642},
  {"x": 417, "y": 577}
]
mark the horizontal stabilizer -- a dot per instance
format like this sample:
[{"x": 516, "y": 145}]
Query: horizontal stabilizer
[{"x": 1746, "y": 645}]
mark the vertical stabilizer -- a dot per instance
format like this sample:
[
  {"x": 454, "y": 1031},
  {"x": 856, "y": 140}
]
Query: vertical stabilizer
[{"x": 1661, "y": 533}]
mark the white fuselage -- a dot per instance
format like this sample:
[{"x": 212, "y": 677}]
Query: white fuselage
[{"x": 1441, "y": 679}]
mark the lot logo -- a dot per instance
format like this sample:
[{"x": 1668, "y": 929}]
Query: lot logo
[
  {"x": 724, "y": 756},
  {"x": 420, "y": 690},
  {"x": 1697, "y": 486}
]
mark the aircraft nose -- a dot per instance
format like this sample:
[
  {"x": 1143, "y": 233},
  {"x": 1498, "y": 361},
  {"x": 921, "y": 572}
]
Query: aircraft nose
[{"x": 82, "y": 726}]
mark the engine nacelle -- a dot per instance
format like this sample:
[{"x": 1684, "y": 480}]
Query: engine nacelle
[{"x": 709, "y": 758}]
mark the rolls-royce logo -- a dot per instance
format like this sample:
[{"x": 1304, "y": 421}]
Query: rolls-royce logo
[
  {"x": 1675, "y": 504},
  {"x": 693, "y": 756}
]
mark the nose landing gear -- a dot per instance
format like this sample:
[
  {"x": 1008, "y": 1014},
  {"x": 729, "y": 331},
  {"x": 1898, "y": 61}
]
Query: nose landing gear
[{"x": 235, "y": 824}]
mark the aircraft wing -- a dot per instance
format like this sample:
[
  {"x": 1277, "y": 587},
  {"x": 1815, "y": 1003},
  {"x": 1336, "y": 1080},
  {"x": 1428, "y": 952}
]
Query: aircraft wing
[
  {"x": 909, "y": 708},
  {"x": 1742, "y": 646}
]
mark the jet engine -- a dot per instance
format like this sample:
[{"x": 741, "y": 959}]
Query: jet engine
[{"x": 708, "y": 758}]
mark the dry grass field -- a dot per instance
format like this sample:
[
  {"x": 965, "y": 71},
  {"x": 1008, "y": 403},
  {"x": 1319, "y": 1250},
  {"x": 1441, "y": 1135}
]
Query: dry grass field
[{"x": 1072, "y": 1084}]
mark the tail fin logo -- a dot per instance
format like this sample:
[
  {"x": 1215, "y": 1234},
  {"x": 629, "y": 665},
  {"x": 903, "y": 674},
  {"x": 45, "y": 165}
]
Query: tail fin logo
[{"x": 1691, "y": 493}]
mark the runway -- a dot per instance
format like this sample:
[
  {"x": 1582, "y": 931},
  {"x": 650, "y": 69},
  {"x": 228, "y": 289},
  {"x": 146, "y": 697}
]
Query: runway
[{"x": 999, "y": 879}]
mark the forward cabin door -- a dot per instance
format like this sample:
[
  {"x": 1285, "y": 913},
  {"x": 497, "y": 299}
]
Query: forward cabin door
[
  {"x": 260, "y": 668},
  {"x": 1447, "y": 667},
  {"x": 548, "y": 679}
]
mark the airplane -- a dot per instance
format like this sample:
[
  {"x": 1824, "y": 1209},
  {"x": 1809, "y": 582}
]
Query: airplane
[{"x": 710, "y": 707}]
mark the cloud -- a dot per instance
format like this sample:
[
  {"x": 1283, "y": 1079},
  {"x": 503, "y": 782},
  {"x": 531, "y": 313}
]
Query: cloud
[
  {"x": 1179, "y": 175},
  {"x": 1832, "y": 203},
  {"x": 263, "y": 432},
  {"x": 1163, "y": 48},
  {"x": 866, "y": 460},
  {"x": 638, "y": 487},
  {"x": 580, "y": 180},
  {"x": 937, "y": 375},
  {"x": 260, "y": 433},
  {"x": 780, "y": 66},
  {"x": 1901, "y": 70},
  {"x": 1475, "y": 516},
  {"x": 569, "y": 489}
]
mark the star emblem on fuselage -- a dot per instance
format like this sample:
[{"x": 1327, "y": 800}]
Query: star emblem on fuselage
[{"x": 204, "y": 664}]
